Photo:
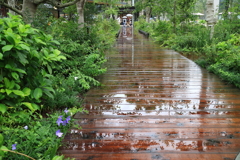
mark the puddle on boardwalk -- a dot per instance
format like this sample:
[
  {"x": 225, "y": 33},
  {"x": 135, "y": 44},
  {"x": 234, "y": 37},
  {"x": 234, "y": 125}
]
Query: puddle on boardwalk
[{"x": 156, "y": 100}]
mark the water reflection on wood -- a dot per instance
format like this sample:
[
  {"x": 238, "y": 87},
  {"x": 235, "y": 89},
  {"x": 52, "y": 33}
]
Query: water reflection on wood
[{"x": 156, "y": 104}]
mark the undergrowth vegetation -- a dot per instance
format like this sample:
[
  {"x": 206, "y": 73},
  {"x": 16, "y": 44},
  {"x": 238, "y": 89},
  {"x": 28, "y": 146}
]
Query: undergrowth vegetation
[
  {"x": 219, "y": 54},
  {"x": 44, "y": 74}
]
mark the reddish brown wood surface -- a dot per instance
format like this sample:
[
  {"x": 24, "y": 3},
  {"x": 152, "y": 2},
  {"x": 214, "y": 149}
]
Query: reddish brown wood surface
[{"x": 156, "y": 104}]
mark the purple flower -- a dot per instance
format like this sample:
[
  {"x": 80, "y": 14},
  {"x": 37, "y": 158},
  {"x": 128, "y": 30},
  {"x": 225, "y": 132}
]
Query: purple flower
[
  {"x": 59, "y": 133},
  {"x": 68, "y": 119},
  {"x": 14, "y": 146},
  {"x": 26, "y": 127},
  {"x": 59, "y": 120},
  {"x": 64, "y": 123},
  {"x": 66, "y": 110}
]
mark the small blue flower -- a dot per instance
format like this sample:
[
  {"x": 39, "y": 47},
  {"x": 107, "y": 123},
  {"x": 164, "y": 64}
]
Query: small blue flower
[
  {"x": 59, "y": 133},
  {"x": 26, "y": 127},
  {"x": 68, "y": 119},
  {"x": 64, "y": 123},
  {"x": 14, "y": 146},
  {"x": 59, "y": 121},
  {"x": 66, "y": 110}
]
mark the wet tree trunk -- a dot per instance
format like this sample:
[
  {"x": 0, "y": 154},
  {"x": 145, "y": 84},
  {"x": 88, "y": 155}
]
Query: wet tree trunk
[
  {"x": 11, "y": 3},
  {"x": 80, "y": 10},
  {"x": 210, "y": 18},
  {"x": 148, "y": 13},
  {"x": 29, "y": 10},
  {"x": 174, "y": 18}
]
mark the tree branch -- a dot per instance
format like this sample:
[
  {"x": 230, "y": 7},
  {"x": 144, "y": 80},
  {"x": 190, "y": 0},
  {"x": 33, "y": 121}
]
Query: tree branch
[
  {"x": 11, "y": 8},
  {"x": 59, "y": 5},
  {"x": 39, "y": 1}
]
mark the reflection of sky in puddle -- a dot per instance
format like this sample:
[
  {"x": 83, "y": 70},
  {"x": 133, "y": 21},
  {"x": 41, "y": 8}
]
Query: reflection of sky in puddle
[{"x": 124, "y": 105}]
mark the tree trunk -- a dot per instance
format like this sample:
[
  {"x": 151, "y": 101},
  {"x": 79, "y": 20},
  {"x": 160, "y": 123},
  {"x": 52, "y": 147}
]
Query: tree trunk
[
  {"x": 174, "y": 18},
  {"x": 29, "y": 10},
  {"x": 80, "y": 10},
  {"x": 225, "y": 15},
  {"x": 11, "y": 3},
  {"x": 148, "y": 13},
  {"x": 210, "y": 18}
]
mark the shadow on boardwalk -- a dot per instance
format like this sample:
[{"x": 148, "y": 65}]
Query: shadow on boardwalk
[{"x": 156, "y": 104}]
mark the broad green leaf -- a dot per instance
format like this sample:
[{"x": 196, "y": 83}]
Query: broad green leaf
[
  {"x": 3, "y": 109},
  {"x": 49, "y": 69},
  {"x": 29, "y": 105},
  {"x": 7, "y": 48},
  {"x": 58, "y": 158},
  {"x": 10, "y": 38},
  {"x": 7, "y": 82},
  {"x": 21, "y": 28},
  {"x": 23, "y": 46},
  {"x": 61, "y": 57},
  {"x": 2, "y": 152},
  {"x": 1, "y": 56},
  {"x": 39, "y": 41},
  {"x": 35, "y": 106},
  {"x": 18, "y": 92},
  {"x": 15, "y": 75},
  {"x": 37, "y": 93},
  {"x": 49, "y": 94},
  {"x": 8, "y": 91},
  {"x": 1, "y": 138},
  {"x": 56, "y": 52},
  {"x": 22, "y": 58},
  {"x": 8, "y": 66},
  {"x": 3, "y": 43},
  {"x": 19, "y": 70},
  {"x": 56, "y": 42},
  {"x": 50, "y": 89},
  {"x": 26, "y": 91}
]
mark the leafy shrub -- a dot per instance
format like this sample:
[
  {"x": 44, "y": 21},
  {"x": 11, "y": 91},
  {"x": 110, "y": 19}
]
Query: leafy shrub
[
  {"x": 27, "y": 57},
  {"x": 38, "y": 139}
]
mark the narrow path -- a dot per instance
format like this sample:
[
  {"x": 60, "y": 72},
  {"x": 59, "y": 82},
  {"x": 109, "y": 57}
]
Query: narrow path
[{"x": 156, "y": 105}]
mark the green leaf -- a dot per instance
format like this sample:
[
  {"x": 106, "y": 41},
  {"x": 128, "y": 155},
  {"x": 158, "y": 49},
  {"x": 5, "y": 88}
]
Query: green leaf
[
  {"x": 39, "y": 41},
  {"x": 49, "y": 94},
  {"x": 19, "y": 70},
  {"x": 2, "y": 152},
  {"x": 7, "y": 82},
  {"x": 8, "y": 91},
  {"x": 3, "y": 109},
  {"x": 10, "y": 38},
  {"x": 1, "y": 56},
  {"x": 49, "y": 69},
  {"x": 29, "y": 105},
  {"x": 23, "y": 46},
  {"x": 37, "y": 93},
  {"x": 58, "y": 158},
  {"x": 26, "y": 91},
  {"x": 15, "y": 75},
  {"x": 8, "y": 66},
  {"x": 35, "y": 107},
  {"x": 56, "y": 52},
  {"x": 21, "y": 28},
  {"x": 7, "y": 48},
  {"x": 22, "y": 58},
  {"x": 1, "y": 138},
  {"x": 18, "y": 92}
]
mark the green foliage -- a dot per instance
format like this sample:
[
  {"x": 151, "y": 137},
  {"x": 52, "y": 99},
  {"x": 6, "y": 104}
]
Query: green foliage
[
  {"x": 223, "y": 59},
  {"x": 38, "y": 139},
  {"x": 27, "y": 58}
]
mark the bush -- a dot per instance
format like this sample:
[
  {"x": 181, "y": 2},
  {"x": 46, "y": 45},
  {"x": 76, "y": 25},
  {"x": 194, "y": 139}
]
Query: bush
[{"x": 27, "y": 57}]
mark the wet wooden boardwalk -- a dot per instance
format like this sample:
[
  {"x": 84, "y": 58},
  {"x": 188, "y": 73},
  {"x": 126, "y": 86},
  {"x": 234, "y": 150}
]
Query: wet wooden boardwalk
[{"x": 156, "y": 105}]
